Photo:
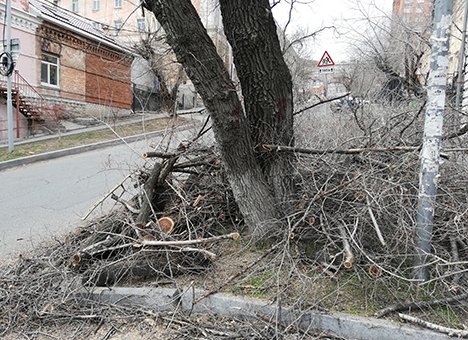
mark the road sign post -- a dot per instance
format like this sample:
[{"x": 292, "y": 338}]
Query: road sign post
[{"x": 326, "y": 65}]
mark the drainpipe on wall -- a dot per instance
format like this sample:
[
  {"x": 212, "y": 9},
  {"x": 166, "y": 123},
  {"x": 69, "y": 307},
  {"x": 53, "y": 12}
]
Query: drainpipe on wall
[{"x": 17, "y": 99}]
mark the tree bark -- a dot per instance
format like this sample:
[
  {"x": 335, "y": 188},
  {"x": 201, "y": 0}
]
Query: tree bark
[
  {"x": 197, "y": 53},
  {"x": 266, "y": 83}
]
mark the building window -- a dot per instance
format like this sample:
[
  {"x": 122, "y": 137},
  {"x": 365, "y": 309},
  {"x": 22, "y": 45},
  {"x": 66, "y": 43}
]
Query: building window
[
  {"x": 420, "y": 1},
  {"x": 418, "y": 10},
  {"x": 96, "y": 5},
  {"x": 117, "y": 3},
  {"x": 408, "y": 1},
  {"x": 118, "y": 25},
  {"x": 407, "y": 10},
  {"x": 75, "y": 6},
  {"x": 141, "y": 25},
  {"x": 49, "y": 70}
]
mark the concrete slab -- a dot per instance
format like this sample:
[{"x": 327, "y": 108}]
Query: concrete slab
[{"x": 340, "y": 324}]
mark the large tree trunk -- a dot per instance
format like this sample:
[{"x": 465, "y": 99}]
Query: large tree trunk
[
  {"x": 196, "y": 52},
  {"x": 266, "y": 83}
]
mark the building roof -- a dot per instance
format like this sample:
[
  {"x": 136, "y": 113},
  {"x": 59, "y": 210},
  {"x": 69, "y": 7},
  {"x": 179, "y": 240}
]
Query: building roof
[{"x": 75, "y": 23}]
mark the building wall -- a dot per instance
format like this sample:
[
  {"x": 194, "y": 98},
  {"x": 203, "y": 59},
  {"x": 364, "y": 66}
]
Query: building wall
[
  {"x": 88, "y": 71},
  {"x": 413, "y": 13},
  {"x": 108, "y": 82},
  {"x": 208, "y": 10},
  {"x": 24, "y": 26}
]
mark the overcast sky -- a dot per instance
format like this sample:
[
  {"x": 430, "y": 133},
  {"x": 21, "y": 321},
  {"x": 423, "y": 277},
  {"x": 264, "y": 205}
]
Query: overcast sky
[{"x": 345, "y": 15}]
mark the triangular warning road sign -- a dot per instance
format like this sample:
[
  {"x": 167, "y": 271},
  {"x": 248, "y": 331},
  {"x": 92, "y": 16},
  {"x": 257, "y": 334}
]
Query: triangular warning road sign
[{"x": 326, "y": 60}]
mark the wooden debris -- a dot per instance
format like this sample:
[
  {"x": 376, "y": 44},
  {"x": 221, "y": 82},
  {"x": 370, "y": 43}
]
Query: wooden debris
[
  {"x": 166, "y": 224},
  {"x": 449, "y": 331},
  {"x": 421, "y": 304}
]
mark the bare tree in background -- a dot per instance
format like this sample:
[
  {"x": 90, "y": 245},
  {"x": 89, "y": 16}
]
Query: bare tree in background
[
  {"x": 168, "y": 74},
  {"x": 396, "y": 49}
]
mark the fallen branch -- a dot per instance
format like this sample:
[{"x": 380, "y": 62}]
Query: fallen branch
[
  {"x": 154, "y": 154},
  {"x": 374, "y": 222},
  {"x": 461, "y": 132},
  {"x": 125, "y": 204},
  {"x": 282, "y": 148},
  {"x": 212, "y": 256},
  {"x": 319, "y": 103},
  {"x": 420, "y": 304},
  {"x": 105, "y": 196},
  {"x": 450, "y": 331},
  {"x": 239, "y": 273},
  {"x": 232, "y": 236},
  {"x": 348, "y": 254}
]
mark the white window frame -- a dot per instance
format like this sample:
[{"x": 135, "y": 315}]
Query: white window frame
[
  {"x": 117, "y": 3},
  {"x": 49, "y": 65},
  {"x": 141, "y": 25},
  {"x": 96, "y": 5},
  {"x": 118, "y": 25},
  {"x": 74, "y": 5}
]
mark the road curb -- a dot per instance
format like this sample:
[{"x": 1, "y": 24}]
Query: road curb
[
  {"x": 340, "y": 324},
  {"x": 84, "y": 148}
]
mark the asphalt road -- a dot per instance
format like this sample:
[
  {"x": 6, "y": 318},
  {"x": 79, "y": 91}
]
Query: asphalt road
[{"x": 43, "y": 200}]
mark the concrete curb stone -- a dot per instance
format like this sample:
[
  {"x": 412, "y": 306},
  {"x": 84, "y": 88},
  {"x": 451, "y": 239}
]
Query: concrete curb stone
[{"x": 340, "y": 324}]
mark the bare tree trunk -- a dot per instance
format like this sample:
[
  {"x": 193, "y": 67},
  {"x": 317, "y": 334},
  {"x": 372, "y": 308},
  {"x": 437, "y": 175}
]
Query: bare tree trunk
[
  {"x": 266, "y": 83},
  {"x": 197, "y": 53}
]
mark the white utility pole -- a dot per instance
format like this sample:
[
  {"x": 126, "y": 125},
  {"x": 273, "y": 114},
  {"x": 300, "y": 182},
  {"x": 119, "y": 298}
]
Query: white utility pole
[
  {"x": 9, "y": 84},
  {"x": 430, "y": 153}
]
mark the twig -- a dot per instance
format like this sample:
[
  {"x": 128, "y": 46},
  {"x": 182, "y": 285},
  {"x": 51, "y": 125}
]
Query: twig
[
  {"x": 106, "y": 195},
  {"x": 205, "y": 252},
  {"x": 154, "y": 154},
  {"x": 348, "y": 255},
  {"x": 234, "y": 276},
  {"x": 433, "y": 326},
  {"x": 420, "y": 305},
  {"x": 283, "y": 148},
  {"x": 232, "y": 236},
  {"x": 374, "y": 222},
  {"x": 319, "y": 103},
  {"x": 458, "y": 133},
  {"x": 125, "y": 204}
]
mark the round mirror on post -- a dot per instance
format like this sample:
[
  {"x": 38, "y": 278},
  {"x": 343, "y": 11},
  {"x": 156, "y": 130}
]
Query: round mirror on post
[{"x": 7, "y": 64}]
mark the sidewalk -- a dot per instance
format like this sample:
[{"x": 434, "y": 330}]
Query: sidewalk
[{"x": 74, "y": 129}]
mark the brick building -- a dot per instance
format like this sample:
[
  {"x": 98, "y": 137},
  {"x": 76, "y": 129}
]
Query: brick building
[
  {"x": 65, "y": 67},
  {"x": 413, "y": 13},
  {"x": 128, "y": 23},
  {"x": 92, "y": 68}
]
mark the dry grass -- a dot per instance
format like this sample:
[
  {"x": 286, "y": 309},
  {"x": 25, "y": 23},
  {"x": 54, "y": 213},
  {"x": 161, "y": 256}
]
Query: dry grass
[{"x": 109, "y": 133}]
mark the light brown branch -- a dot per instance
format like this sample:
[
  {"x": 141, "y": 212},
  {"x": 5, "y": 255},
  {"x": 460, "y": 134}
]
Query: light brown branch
[{"x": 433, "y": 326}]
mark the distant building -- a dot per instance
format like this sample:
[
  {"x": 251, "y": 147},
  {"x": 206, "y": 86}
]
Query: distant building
[
  {"x": 415, "y": 14},
  {"x": 128, "y": 22},
  {"x": 64, "y": 67}
]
